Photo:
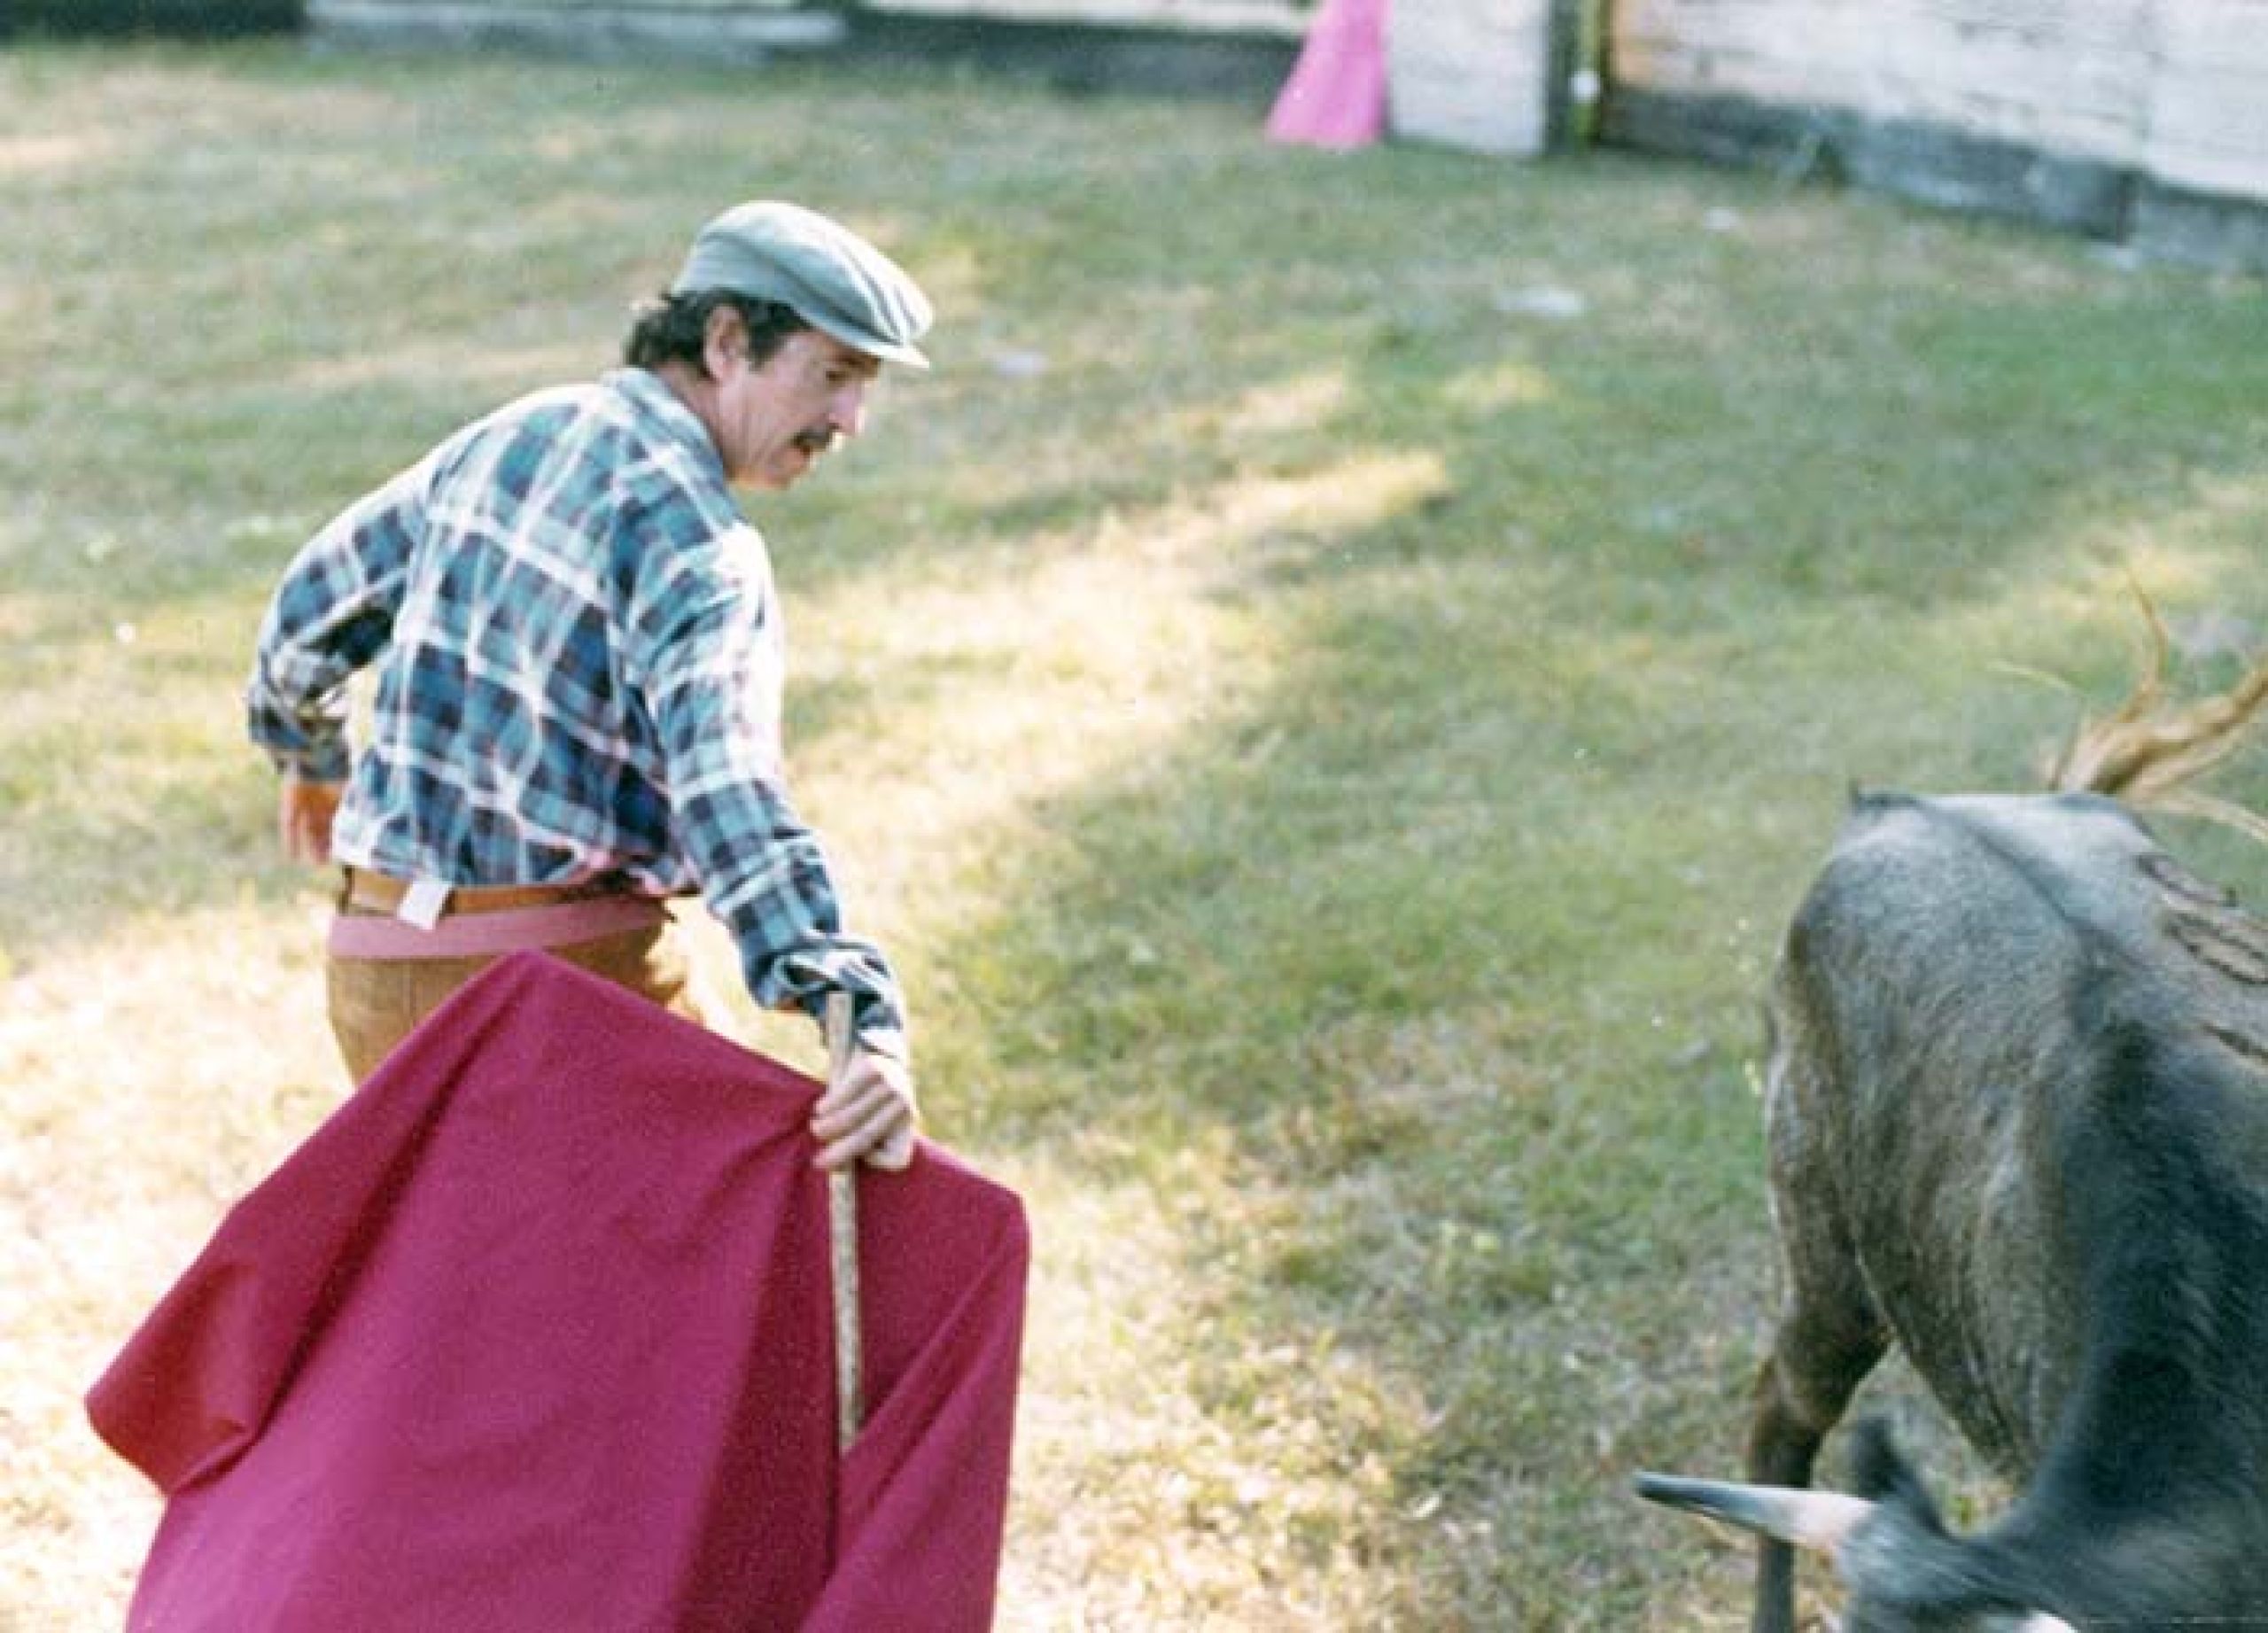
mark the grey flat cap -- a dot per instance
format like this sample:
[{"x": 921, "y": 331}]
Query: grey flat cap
[{"x": 827, "y": 274}]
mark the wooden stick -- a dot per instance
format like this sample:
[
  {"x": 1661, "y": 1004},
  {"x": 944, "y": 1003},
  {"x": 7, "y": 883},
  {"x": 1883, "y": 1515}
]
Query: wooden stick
[{"x": 843, "y": 1241}]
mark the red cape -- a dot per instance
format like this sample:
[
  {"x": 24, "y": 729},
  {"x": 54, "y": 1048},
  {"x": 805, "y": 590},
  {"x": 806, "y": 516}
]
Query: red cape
[{"x": 533, "y": 1336}]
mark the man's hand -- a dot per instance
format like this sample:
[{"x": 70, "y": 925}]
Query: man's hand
[
  {"x": 304, "y": 813},
  {"x": 868, "y": 1113}
]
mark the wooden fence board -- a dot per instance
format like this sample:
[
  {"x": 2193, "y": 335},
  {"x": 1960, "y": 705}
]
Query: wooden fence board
[
  {"x": 718, "y": 33},
  {"x": 2172, "y": 95},
  {"x": 1262, "y": 17},
  {"x": 2208, "y": 129}
]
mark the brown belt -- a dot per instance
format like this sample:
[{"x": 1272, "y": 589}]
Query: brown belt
[{"x": 375, "y": 892}]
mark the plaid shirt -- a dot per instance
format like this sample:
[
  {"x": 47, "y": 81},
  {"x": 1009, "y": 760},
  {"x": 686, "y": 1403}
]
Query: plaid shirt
[{"x": 579, "y": 662}]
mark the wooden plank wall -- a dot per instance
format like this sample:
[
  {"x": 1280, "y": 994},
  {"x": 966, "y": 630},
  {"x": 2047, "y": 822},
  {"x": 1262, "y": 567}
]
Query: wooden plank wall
[
  {"x": 1238, "y": 48},
  {"x": 1284, "y": 17},
  {"x": 2098, "y": 115},
  {"x": 2069, "y": 74},
  {"x": 2208, "y": 125},
  {"x": 718, "y": 31}
]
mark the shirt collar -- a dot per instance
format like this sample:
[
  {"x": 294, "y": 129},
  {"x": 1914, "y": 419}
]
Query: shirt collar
[{"x": 651, "y": 399}]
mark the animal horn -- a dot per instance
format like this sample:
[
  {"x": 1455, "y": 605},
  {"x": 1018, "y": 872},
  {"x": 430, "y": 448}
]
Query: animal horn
[
  {"x": 2151, "y": 752},
  {"x": 1820, "y": 1521}
]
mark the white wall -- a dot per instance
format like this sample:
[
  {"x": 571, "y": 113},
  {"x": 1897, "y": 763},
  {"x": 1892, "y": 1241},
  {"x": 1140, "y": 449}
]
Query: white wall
[
  {"x": 1472, "y": 74},
  {"x": 2176, "y": 90}
]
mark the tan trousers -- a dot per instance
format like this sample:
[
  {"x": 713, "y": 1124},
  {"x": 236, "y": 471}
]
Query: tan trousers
[{"x": 376, "y": 1003}]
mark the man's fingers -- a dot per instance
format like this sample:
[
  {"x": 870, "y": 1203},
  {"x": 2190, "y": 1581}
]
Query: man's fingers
[
  {"x": 850, "y": 1104},
  {"x": 885, "y": 1139},
  {"x": 305, "y": 813},
  {"x": 306, "y": 844},
  {"x": 867, "y": 1112}
]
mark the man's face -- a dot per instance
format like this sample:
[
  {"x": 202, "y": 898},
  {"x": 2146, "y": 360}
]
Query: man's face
[{"x": 774, "y": 421}]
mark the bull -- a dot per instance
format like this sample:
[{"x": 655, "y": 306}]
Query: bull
[{"x": 2017, "y": 1125}]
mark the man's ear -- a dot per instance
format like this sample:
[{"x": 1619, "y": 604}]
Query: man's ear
[{"x": 724, "y": 340}]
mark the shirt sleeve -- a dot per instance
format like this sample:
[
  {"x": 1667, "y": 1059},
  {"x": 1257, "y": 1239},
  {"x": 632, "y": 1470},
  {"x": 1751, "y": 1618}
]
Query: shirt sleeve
[
  {"x": 332, "y": 613},
  {"x": 705, "y": 651}
]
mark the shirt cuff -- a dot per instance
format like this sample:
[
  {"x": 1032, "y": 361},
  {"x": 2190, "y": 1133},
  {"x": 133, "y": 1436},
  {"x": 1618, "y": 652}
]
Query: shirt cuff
[{"x": 885, "y": 1040}]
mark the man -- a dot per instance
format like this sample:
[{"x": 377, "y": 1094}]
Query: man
[{"x": 578, "y": 657}]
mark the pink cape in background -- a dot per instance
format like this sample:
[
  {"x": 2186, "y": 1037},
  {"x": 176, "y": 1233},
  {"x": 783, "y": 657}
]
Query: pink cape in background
[
  {"x": 533, "y": 1336},
  {"x": 1336, "y": 94}
]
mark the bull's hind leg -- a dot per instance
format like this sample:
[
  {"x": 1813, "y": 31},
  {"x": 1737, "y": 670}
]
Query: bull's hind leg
[{"x": 1829, "y": 1338}]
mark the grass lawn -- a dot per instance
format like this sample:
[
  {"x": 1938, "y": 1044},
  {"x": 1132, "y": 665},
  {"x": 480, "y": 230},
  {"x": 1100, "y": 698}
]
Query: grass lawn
[{"x": 1329, "y": 690}]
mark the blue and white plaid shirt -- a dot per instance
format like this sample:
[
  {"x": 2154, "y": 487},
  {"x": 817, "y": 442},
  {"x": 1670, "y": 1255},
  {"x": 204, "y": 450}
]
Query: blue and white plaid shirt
[{"x": 579, "y": 662}]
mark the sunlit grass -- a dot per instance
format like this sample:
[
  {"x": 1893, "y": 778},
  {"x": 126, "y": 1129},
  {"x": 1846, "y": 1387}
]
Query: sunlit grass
[{"x": 1328, "y": 692}]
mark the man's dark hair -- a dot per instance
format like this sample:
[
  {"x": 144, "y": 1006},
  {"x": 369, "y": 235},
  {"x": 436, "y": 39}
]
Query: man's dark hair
[{"x": 673, "y": 328}]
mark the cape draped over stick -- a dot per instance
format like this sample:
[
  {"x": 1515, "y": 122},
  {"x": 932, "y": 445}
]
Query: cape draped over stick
[{"x": 533, "y": 1333}]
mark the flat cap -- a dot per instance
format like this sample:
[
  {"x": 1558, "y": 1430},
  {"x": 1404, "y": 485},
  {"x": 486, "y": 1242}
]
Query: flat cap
[{"x": 825, "y": 274}]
